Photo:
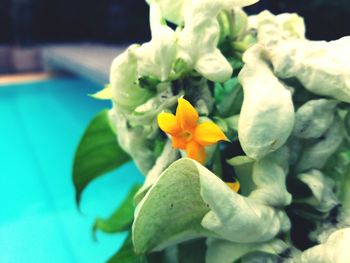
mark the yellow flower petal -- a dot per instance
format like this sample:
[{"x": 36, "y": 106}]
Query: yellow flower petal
[
  {"x": 179, "y": 142},
  {"x": 186, "y": 115},
  {"x": 196, "y": 151},
  {"x": 168, "y": 123},
  {"x": 208, "y": 133},
  {"x": 234, "y": 186}
]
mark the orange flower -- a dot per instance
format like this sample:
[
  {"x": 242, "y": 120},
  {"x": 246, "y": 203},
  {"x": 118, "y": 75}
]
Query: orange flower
[{"x": 187, "y": 134}]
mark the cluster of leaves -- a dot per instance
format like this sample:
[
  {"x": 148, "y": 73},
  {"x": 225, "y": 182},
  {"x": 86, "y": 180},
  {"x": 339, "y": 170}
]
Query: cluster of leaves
[{"x": 280, "y": 98}]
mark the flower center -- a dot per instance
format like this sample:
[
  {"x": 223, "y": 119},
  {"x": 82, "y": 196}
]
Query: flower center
[{"x": 186, "y": 135}]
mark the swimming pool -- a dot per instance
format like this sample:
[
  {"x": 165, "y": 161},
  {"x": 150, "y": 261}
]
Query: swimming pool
[{"x": 41, "y": 124}]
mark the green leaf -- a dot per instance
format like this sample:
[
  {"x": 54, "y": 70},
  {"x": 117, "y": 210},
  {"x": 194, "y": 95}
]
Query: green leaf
[
  {"x": 98, "y": 152},
  {"x": 149, "y": 83},
  {"x": 126, "y": 254},
  {"x": 122, "y": 218},
  {"x": 228, "y": 97},
  {"x": 172, "y": 209},
  {"x": 338, "y": 169}
]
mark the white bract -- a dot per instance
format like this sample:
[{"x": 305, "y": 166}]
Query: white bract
[
  {"x": 298, "y": 160},
  {"x": 156, "y": 57},
  {"x": 198, "y": 41},
  {"x": 124, "y": 81},
  {"x": 175, "y": 11},
  {"x": 335, "y": 249},
  {"x": 321, "y": 67},
  {"x": 138, "y": 147},
  {"x": 267, "y": 114}
]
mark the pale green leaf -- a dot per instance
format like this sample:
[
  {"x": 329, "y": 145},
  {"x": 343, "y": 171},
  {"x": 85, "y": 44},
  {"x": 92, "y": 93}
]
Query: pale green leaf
[
  {"x": 192, "y": 197},
  {"x": 221, "y": 251},
  {"x": 240, "y": 160},
  {"x": 167, "y": 157},
  {"x": 172, "y": 209}
]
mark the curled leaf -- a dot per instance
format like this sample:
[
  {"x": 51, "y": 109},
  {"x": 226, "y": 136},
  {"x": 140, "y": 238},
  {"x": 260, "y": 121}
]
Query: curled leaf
[
  {"x": 315, "y": 155},
  {"x": 323, "y": 199},
  {"x": 314, "y": 117}
]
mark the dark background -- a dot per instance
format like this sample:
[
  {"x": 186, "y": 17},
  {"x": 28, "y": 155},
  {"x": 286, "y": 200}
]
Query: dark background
[{"x": 28, "y": 22}]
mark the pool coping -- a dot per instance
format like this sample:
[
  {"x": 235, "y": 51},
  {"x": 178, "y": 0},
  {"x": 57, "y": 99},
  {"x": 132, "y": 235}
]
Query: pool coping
[{"x": 24, "y": 78}]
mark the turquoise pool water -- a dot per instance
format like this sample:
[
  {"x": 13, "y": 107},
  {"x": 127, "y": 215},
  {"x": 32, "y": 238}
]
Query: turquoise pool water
[{"x": 41, "y": 124}]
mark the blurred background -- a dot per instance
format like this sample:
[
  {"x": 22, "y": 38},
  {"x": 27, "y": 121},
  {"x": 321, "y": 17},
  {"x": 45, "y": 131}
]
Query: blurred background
[
  {"x": 31, "y": 23},
  {"x": 44, "y": 114}
]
